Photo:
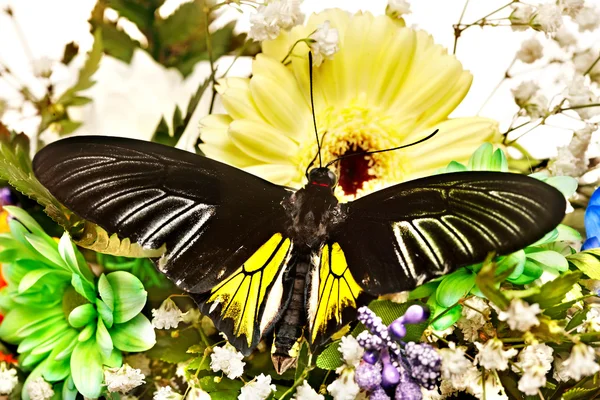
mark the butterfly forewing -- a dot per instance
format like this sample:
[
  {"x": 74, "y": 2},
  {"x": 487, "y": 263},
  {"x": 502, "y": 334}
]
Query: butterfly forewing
[{"x": 400, "y": 237}]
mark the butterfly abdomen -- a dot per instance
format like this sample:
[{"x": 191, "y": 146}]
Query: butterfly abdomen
[{"x": 290, "y": 328}]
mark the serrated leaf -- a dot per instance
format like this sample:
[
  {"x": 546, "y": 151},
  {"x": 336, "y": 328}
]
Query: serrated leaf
[
  {"x": 551, "y": 293},
  {"x": 578, "y": 393},
  {"x": 330, "y": 358},
  {"x": 200, "y": 363},
  {"x": 117, "y": 43},
  {"x": 188, "y": 19},
  {"x": 577, "y": 319},
  {"x": 488, "y": 281}
]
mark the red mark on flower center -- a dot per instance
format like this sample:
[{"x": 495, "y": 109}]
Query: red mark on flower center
[{"x": 354, "y": 172}]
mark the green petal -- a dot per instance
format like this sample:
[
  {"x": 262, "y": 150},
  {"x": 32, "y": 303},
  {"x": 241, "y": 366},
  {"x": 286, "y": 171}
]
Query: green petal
[
  {"x": 454, "y": 286},
  {"x": 24, "y": 218},
  {"x": 82, "y": 315},
  {"x": 42, "y": 336},
  {"x": 47, "y": 250},
  {"x": 21, "y": 320},
  {"x": 56, "y": 370},
  {"x": 84, "y": 288},
  {"x": 566, "y": 233},
  {"x": 106, "y": 292},
  {"x": 105, "y": 343},
  {"x": 514, "y": 260},
  {"x": 105, "y": 313},
  {"x": 69, "y": 391},
  {"x": 129, "y": 294},
  {"x": 115, "y": 359},
  {"x": 455, "y": 167},
  {"x": 549, "y": 258},
  {"x": 135, "y": 335},
  {"x": 31, "y": 278},
  {"x": 481, "y": 159},
  {"x": 86, "y": 369},
  {"x": 87, "y": 333},
  {"x": 67, "y": 253}
]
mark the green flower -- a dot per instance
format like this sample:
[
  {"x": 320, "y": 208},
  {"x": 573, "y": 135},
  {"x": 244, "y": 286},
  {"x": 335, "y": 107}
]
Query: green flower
[
  {"x": 546, "y": 256},
  {"x": 67, "y": 322}
]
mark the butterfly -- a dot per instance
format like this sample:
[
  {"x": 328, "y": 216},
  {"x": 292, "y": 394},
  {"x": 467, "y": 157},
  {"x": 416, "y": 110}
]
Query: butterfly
[{"x": 260, "y": 258}]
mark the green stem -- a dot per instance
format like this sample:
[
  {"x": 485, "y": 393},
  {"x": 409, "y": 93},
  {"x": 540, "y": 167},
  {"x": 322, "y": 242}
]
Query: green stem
[
  {"x": 579, "y": 107},
  {"x": 587, "y": 71},
  {"x": 209, "y": 50},
  {"x": 289, "y": 53},
  {"x": 297, "y": 382},
  {"x": 457, "y": 30}
]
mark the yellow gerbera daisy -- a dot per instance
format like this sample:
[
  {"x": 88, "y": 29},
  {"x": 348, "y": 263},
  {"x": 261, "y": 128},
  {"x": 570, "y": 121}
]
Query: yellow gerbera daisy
[{"x": 388, "y": 85}]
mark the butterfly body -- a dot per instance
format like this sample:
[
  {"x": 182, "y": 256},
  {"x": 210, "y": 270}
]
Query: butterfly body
[{"x": 261, "y": 258}]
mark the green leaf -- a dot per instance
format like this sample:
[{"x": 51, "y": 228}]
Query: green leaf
[
  {"x": 129, "y": 295},
  {"x": 587, "y": 262},
  {"x": 82, "y": 315},
  {"x": 83, "y": 287},
  {"x": 106, "y": 292},
  {"x": 117, "y": 43},
  {"x": 181, "y": 24},
  {"x": 577, "y": 319},
  {"x": 24, "y": 218},
  {"x": 103, "y": 339},
  {"x": 86, "y": 369},
  {"x": 488, "y": 281},
  {"x": 579, "y": 393},
  {"x": 90, "y": 67},
  {"x": 515, "y": 261},
  {"x": 105, "y": 313},
  {"x": 46, "y": 250},
  {"x": 174, "y": 348},
  {"x": 423, "y": 291},
  {"x": 134, "y": 335},
  {"x": 226, "y": 389},
  {"x": 553, "y": 292},
  {"x": 454, "y": 287},
  {"x": 199, "y": 363},
  {"x": 548, "y": 258},
  {"x": 330, "y": 358},
  {"x": 31, "y": 278},
  {"x": 448, "y": 319},
  {"x": 20, "y": 322},
  {"x": 568, "y": 234}
]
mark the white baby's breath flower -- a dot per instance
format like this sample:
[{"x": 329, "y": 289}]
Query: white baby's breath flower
[
  {"x": 475, "y": 314},
  {"x": 258, "y": 389},
  {"x": 39, "y": 389},
  {"x": 324, "y": 43},
  {"x": 531, "y": 51},
  {"x": 351, "y": 351},
  {"x": 525, "y": 91},
  {"x": 571, "y": 159},
  {"x": 272, "y": 17},
  {"x": 494, "y": 390},
  {"x": 166, "y": 393},
  {"x": 42, "y": 67},
  {"x": 537, "y": 106},
  {"x": 306, "y": 392},
  {"x": 571, "y": 7},
  {"x": 588, "y": 19},
  {"x": 8, "y": 378},
  {"x": 492, "y": 355},
  {"x": 454, "y": 363},
  {"x": 520, "y": 315},
  {"x": 397, "y": 8},
  {"x": 167, "y": 316},
  {"x": 521, "y": 16},
  {"x": 535, "y": 361},
  {"x": 592, "y": 320},
  {"x": 580, "y": 94},
  {"x": 197, "y": 394},
  {"x": 581, "y": 362},
  {"x": 564, "y": 38},
  {"x": 548, "y": 18},
  {"x": 560, "y": 371},
  {"x": 228, "y": 360},
  {"x": 123, "y": 379},
  {"x": 584, "y": 60},
  {"x": 344, "y": 387}
]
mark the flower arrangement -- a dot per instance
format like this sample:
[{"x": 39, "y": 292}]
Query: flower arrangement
[{"x": 86, "y": 312}]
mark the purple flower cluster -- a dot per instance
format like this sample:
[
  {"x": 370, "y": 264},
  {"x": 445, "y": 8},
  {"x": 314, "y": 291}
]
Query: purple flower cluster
[{"x": 391, "y": 367}]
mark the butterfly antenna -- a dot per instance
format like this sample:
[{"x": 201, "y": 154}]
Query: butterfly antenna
[
  {"x": 314, "y": 158},
  {"x": 364, "y": 153},
  {"x": 312, "y": 106}
]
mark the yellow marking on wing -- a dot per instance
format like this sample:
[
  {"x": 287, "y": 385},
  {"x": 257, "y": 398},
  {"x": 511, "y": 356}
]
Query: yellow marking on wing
[
  {"x": 243, "y": 292},
  {"x": 337, "y": 289}
]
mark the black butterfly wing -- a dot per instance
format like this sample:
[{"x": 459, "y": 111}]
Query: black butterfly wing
[
  {"x": 223, "y": 228},
  {"x": 402, "y": 236}
]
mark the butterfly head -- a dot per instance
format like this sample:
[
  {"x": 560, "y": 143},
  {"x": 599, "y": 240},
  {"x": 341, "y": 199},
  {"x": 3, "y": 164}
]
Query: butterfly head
[{"x": 322, "y": 177}]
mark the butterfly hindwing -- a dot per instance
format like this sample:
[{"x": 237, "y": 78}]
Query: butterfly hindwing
[
  {"x": 402, "y": 236},
  {"x": 218, "y": 223}
]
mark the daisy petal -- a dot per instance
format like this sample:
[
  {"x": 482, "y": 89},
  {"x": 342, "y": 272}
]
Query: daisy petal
[
  {"x": 262, "y": 141},
  {"x": 280, "y": 174}
]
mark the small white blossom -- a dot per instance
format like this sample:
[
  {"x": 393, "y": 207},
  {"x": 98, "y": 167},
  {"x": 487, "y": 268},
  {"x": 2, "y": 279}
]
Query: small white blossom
[
  {"x": 564, "y": 38},
  {"x": 584, "y": 60},
  {"x": 475, "y": 314},
  {"x": 520, "y": 315},
  {"x": 324, "y": 43},
  {"x": 492, "y": 355},
  {"x": 351, "y": 351},
  {"x": 531, "y": 51},
  {"x": 571, "y": 7},
  {"x": 344, "y": 387},
  {"x": 306, "y": 392},
  {"x": 42, "y": 67},
  {"x": 535, "y": 361},
  {"x": 8, "y": 379},
  {"x": 258, "y": 389},
  {"x": 560, "y": 371},
  {"x": 548, "y": 18},
  {"x": 167, "y": 316},
  {"x": 592, "y": 320},
  {"x": 197, "y": 394},
  {"x": 228, "y": 360},
  {"x": 272, "y": 17},
  {"x": 588, "y": 19},
  {"x": 581, "y": 362},
  {"x": 39, "y": 389},
  {"x": 580, "y": 94},
  {"x": 537, "y": 106},
  {"x": 166, "y": 393},
  {"x": 397, "y": 8},
  {"x": 571, "y": 159},
  {"x": 525, "y": 91},
  {"x": 494, "y": 390},
  {"x": 521, "y": 16},
  {"x": 454, "y": 363},
  {"x": 123, "y": 379}
]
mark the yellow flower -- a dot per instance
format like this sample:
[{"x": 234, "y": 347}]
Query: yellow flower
[{"x": 387, "y": 85}]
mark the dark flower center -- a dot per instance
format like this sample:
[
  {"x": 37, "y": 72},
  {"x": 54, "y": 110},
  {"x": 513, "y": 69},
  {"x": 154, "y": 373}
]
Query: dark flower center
[{"x": 354, "y": 172}]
